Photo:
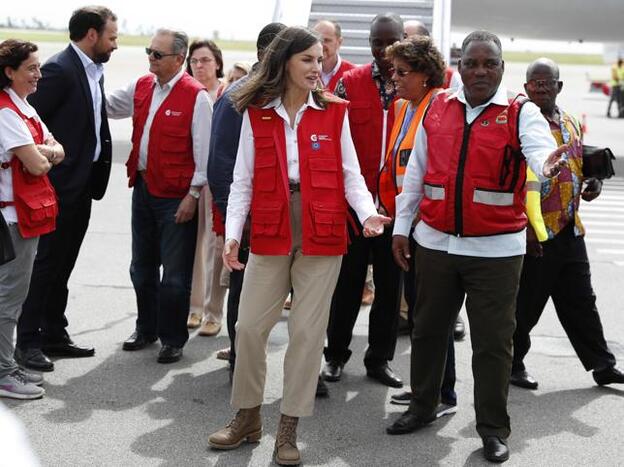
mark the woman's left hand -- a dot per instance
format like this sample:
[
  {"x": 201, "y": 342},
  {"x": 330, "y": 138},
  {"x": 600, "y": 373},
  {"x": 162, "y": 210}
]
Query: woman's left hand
[{"x": 374, "y": 225}]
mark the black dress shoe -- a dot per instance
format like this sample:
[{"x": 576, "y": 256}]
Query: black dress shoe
[
  {"x": 385, "y": 375},
  {"x": 169, "y": 354},
  {"x": 408, "y": 422},
  {"x": 522, "y": 379},
  {"x": 137, "y": 341},
  {"x": 332, "y": 371},
  {"x": 459, "y": 331},
  {"x": 321, "y": 389},
  {"x": 495, "y": 449},
  {"x": 67, "y": 349},
  {"x": 609, "y": 375},
  {"x": 33, "y": 359}
]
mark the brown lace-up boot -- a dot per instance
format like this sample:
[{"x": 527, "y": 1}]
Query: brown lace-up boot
[
  {"x": 286, "y": 452},
  {"x": 246, "y": 426}
]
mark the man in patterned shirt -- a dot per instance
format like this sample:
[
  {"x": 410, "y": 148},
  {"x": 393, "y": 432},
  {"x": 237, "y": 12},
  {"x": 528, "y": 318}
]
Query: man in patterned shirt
[{"x": 559, "y": 267}]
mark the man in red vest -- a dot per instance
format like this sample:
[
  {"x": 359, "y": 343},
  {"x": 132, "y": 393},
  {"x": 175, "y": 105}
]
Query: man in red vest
[
  {"x": 371, "y": 115},
  {"x": 171, "y": 116},
  {"x": 466, "y": 180},
  {"x": 333, "y": 65}
]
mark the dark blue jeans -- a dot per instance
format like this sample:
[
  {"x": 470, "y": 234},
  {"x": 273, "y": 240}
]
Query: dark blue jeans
[{"x": 162, "y": 303}]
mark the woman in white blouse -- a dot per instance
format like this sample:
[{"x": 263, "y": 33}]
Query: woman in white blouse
[
  {"x": 27, "y": 200},
  {"x": 296, "y": 170}
]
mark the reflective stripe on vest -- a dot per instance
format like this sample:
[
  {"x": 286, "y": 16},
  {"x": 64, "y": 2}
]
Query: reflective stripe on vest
[{"x": 483, "y": 172}]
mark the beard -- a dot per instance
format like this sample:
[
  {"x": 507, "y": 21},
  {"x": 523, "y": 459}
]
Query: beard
[{"x": 100, "y": 56}]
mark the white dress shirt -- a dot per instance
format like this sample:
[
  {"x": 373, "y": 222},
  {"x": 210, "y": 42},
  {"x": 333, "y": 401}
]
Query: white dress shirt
[
  {"x": 13, "y": 134},
  {"x": 239, "y": 201},
  {"x": 537, "y": 143},
  {"x": 326, "y": 77},
  {"x": 120, "y": 104},
  {"x": 94, "y": 72}
]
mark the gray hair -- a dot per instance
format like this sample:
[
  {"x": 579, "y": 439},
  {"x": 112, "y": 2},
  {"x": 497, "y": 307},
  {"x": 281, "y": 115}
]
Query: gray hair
[
  {"x": 180, "y": 40},
  {"x": 481, "y": 36}
]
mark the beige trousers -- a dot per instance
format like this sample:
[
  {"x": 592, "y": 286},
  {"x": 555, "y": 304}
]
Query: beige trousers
[
  {"x": 268, "y": 279},
  {"x": 207, "y": 293}
]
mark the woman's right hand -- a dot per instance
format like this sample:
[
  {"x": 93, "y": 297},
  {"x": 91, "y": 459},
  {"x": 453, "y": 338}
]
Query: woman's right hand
[{"x": 230, "y": 256}]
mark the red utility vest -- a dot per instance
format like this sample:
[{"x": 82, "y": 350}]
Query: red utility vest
[
  {"x": 474, "y": 184},
  {"x": 323, "y": 203},
  {"x": 34, "y": 197},
  {"x": 366, "y": 120},
  {"x": 342, "y": 69},
  {"x": 170, "y": 164}
]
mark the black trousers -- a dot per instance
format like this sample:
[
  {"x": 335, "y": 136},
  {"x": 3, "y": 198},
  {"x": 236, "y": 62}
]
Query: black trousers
[
  {"x": 347, "y": 298},
  {"x": 43, "y": 318},
  {"x": 410, "y": 284},
  {"x": 563, "y": 275},
  {"x": 490, "y": 286},
  {"x": 236, "y": 285}
]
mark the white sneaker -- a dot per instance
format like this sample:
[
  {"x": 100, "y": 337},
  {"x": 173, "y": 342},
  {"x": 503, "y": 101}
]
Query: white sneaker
[
  {"x": 32, "y": 377},
  {"x": 15, "y": 386},
  {"x": 445, "y": 409}
]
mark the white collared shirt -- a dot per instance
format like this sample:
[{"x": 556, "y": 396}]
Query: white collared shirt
[
  {"x": 239, "y": 201},
  {"x": 326, "y": 77},
  {"x": 537, "y": 143},
  {"x": 13, "y": 134},
  {"x": 120, "y": 104},
  {"x": 94, "y": 72}
]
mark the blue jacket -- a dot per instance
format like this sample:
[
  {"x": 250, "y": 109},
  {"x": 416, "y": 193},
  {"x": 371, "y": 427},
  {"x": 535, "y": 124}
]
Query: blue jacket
[{"x": 224, "y": 136}]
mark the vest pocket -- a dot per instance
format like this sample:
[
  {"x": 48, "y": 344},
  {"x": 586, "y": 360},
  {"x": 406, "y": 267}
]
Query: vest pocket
[
  {"x": 266, "y": 220},
  {"x": 323, "y": 172},
  {"x": 329, "y": 221},
  {"x": 265, "y": 173},
  {"x": 359, "y": 113}
]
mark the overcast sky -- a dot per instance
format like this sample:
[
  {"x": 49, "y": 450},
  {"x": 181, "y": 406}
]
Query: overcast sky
[{"x": 234, "y": 19}]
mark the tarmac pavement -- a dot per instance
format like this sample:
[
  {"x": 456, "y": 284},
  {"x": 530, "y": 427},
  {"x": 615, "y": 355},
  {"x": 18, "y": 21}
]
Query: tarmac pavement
[{"x": 124, "y": 409}]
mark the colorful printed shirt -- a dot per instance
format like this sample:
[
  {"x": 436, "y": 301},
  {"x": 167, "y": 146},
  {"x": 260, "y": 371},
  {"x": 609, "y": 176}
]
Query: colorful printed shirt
[{"x": 561, "y": 195}]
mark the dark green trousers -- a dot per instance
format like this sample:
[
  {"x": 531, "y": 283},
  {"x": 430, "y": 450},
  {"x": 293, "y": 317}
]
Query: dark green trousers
[{"x": 490, "y": 286}]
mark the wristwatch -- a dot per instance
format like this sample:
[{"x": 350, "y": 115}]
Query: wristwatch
[{"x": 194, "y": 193}]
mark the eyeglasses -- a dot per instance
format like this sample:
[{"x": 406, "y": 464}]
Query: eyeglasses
[
  {"x": 543, "y": 83},
  {"x": 203, "y": 60},
  {"x": 401, "y": 73},
  {"x": 156, "y": 54}
]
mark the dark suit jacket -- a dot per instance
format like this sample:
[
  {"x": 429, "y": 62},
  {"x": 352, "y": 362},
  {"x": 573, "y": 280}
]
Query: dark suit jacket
[{"x": 63, "y": 101}]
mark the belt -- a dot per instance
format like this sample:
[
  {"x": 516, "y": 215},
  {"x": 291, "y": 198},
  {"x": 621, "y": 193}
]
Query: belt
[
  {"x": 292, "y": 187},
  {"x": 4, "y": 204},
  {"x": 141, "y": 173}
]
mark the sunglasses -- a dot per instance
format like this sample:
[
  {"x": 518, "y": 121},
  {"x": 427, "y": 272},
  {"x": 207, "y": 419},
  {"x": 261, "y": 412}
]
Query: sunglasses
[{"x": 156, "y": 54}]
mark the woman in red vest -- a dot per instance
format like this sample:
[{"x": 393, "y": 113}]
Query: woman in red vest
[
  {"x": 27, "y": 200},
  {"x": 296, "y": 170}
]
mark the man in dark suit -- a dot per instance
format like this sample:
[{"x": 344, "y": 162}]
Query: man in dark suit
[{"x": 70, "y": 100}]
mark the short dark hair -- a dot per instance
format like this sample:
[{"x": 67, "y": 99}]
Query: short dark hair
[
  {"x": 267, "y": 34},
  {"x": 422, "y": 56},
  {"x": 12, "y": 53},
  {"x": 89, "y": 17},
  {"x": 214, "y": 48},
  {"x": 388, "y": 17},
  {"x": 481, "y": 36}
]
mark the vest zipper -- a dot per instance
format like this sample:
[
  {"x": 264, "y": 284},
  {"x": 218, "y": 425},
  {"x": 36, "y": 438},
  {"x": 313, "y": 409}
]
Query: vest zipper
[{"x": 459, "y": 179}]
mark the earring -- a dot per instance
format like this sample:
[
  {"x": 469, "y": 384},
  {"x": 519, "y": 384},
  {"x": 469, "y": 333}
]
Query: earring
[{"x": 424, "y": 84}]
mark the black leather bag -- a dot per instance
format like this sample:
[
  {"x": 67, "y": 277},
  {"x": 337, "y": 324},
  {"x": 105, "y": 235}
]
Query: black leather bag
[
  {"x": 597, "y": 162},
  {"x": 7, "y": 252}
]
